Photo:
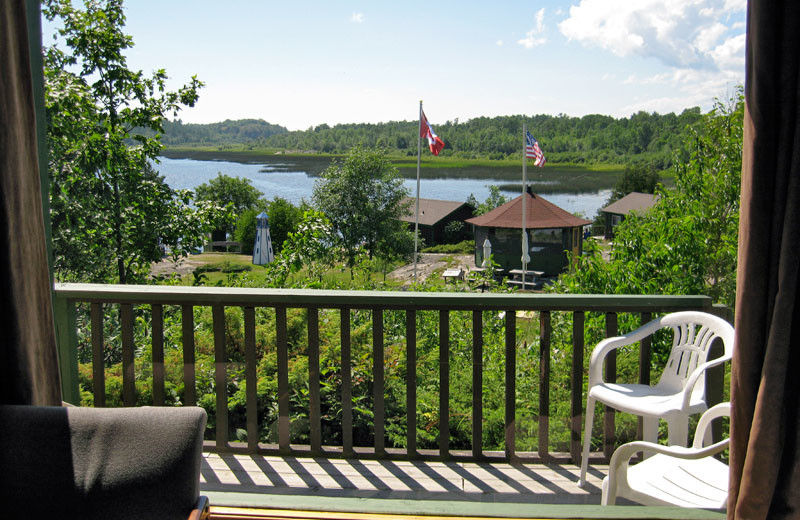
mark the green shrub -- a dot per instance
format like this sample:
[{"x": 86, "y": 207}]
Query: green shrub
[
  {"x": 467, "y": 247},
  {"x": 224, "y": 267}
]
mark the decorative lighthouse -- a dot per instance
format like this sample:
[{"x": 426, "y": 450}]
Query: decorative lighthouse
[{"x": 262, "y": 250}]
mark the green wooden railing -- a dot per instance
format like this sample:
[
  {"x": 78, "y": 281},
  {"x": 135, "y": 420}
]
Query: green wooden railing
[{"x": 68, "y": 296}]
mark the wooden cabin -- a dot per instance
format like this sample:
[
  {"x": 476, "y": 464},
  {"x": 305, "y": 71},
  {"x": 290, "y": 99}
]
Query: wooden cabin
[
  {"x": 617, "y": 211},
  {"x": 434, "y": 216}
]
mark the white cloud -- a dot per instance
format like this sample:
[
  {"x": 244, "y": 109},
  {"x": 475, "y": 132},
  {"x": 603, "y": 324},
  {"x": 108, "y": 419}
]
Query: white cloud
[
  {"x": 499, "y": 43},
  {"x": 690, "y": 86},
  {"x": 730, "y": 53},
  {"x": 357, "y": 18},
  {"x": 533, "y": 37},
  {"x": 697, "y": 34},
  {"x": 666, "y": 77}
]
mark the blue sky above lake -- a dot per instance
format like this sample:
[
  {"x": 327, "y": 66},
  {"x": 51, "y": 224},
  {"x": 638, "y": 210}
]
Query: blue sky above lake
[{"x": 304, "y": 63}]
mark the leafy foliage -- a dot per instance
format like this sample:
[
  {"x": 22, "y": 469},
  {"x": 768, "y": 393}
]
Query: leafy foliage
[
  {"x": 111, "y": 213},
  {"x": 235, "y": 193},
  {"x": 642, "y": 178},
  {"x": 284, "y": 218},
  {"x": 493, "y": 200},
  {"x": 687, "y": 243},
  {"x": 224, "y": 189},
  {"x": 362, "y": 196},
  {"x": 308, "y": 247}
]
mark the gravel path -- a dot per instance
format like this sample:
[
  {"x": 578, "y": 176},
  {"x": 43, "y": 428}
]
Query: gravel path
[{"x": 429, "y": 263}]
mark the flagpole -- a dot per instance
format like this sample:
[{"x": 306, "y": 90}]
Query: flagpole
[
  {"x": 416, "y": 211},
  {"x": 525, "y": 256}
]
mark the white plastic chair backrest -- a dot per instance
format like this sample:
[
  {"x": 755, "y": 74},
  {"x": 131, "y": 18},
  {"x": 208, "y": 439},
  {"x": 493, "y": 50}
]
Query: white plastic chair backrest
[{"x": 693, "y": 335}]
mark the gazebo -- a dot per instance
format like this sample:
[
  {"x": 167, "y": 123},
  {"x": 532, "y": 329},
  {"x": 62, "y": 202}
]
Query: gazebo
[{"x": 551, "y": 231}]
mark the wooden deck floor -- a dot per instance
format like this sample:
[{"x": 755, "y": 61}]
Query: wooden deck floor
[
  {"x": 404, "y": 480},
  {"x": 252, "y": 487}
]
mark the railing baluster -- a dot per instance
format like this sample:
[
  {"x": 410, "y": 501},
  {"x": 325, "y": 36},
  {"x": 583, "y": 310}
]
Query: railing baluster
[
  {"x": 377, "y": 369},
  {"x": 315, "y": 424},
  {"x": 347, "y": 385},
  {"x": 411, "y": 383},
  {"x": 98, "y": 360},
  {"x": 100, "y": 300},
  {"x": 282, "y": 344},
  {"x": 444, "y": 383},
  {"x": 158, "y": 354},
  {"x": 611, "y": 377},
  {"x": 577, "y": 385},
  {"x": 128, "y": 372},
  {"x": 644, "y": 365},
  {"x": 220, "y": 375},
  {"x": 545, "y": 332},
  {"x": 511, "y": 384},
  {"x": 250, "y": 376},
  {"x": 477, "y": 383},
  {"x": 187, "y": 325}
]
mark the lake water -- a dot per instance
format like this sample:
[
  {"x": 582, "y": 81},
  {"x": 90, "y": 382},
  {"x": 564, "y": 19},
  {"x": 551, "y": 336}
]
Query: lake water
[{"x": 273, "y": 180}]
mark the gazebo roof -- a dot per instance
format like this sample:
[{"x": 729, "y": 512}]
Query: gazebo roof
[{"x": 540, "y": 214}]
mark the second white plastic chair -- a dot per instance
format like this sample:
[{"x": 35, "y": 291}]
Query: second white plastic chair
[{"x": 681, "y": 390}]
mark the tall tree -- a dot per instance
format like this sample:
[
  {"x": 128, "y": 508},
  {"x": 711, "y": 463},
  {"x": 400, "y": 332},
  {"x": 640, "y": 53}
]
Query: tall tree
[
  {"x": 111, "y": 211},
  {"x": 235, "y": 193},
  {"x": 362, "y": 196},
  {"x": 687, "y": 243},
  {"x": 636, "y": 177}
]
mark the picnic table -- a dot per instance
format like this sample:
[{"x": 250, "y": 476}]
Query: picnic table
[
  {"x": 453, "y": 274},
  {"x": 532, "y": 278}
]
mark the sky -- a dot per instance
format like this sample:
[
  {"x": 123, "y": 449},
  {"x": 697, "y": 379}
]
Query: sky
[{"x": 303, "y": 63}]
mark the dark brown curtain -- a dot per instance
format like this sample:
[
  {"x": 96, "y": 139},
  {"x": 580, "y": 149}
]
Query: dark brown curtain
[
  {"x": 28, "y": 359},
  {"x": 765, "y": 382}
]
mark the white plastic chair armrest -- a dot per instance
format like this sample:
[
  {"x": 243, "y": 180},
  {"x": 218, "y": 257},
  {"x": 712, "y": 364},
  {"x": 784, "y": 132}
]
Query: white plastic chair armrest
[
  {"x": 694, "y": 376},
  {"x": 719, "y": 410},
  {"x": 598, "y": 355},
  {"x": 607, "y": 345}
]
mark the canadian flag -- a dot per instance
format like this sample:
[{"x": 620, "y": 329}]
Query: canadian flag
[{"x": 426, "y": 131}]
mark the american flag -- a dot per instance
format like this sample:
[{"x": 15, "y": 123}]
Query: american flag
[{"x": 533, "y": 151}]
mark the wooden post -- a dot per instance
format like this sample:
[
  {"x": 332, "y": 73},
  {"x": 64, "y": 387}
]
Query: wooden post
[
  {"x": 545, "y": 332},
  {"x": 411, "y": 383},
  {"x": 511, "y": 384},
  {"x": 577, "y": 385},
  {"x": 477, "y": 383}
]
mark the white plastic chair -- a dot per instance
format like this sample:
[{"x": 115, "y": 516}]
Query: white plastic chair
[
  {"x": 681, "y": 390},
  {"x": 676, "y": 476}
]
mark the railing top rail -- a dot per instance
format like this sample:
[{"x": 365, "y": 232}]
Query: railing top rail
[{"x": 255, "y": 297}]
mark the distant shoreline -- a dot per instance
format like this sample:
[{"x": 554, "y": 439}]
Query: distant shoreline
[{"x": 553, "y": 178}]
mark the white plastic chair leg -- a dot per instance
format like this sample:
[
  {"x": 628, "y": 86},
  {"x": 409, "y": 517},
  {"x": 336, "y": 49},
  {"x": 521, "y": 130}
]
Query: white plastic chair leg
[
  {"x": 678, "y": 430},
  {"x": 607, "y": 498},
  {"x": 649, "y": 431},
  {"x": 587, "y": 440}
]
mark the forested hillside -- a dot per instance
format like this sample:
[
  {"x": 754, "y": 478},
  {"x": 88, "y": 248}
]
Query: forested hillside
[
  {"x": 642, "y": 137},
  {"x": 242, "y": 131}
]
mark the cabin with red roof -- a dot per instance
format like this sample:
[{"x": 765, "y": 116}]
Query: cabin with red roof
[{"x": 551, "y": 232}]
